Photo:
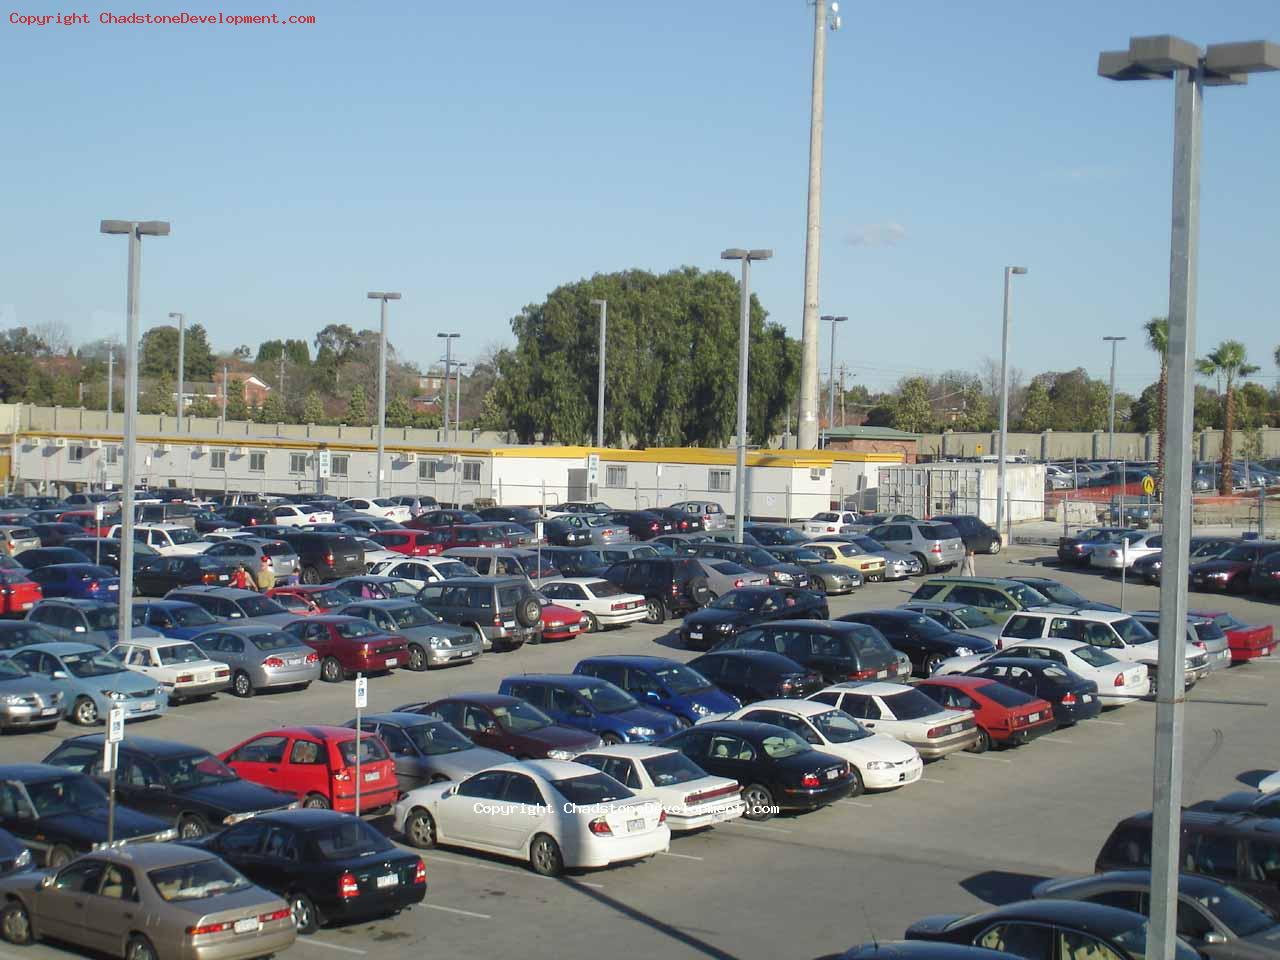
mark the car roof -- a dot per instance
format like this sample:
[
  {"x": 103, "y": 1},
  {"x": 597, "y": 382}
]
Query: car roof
[
  {"x": 403, "y": 718},
  {"x": 576, "y": 680},
  {"x": 633, "y": 751},
  {"x": 160, "y": 526},
  {"x": 960, "y": 681},
  {"x": 978, "y": 581},
  {"x": 580, "y": 581},
  {"x": 149, "y": 745},
  {"x": 163, "y": 604},
  {"x": 872, "y": 688},
  {"x": 80, "y": 603},
  {"x": 744, "y": 728},
  {"x": 550, "y": 769},
  {"x": 920, "y": 950},
  {"x": 1081, "y": 613},
  {"x": 31, "y": 772},
  {"x": 396, "y": 603},
  {"x": 150, "y": 856},
  {"x": 319, "y": 731},
  {"x": 803, "y": 708},
  {"x": 230, "y": 593},
  {"x": 630, "y": 660},
  {"x": 156, "y": 643},
  {"x": 482, "y": 697},
  {"x": 1090, "y": 917},
  {"x": 63, "y": 648}
]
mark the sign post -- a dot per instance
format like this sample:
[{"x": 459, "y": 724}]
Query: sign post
[
  {"x": 97, "y": 540},
  {"x": 110, "y": 753},
  {"x": 362, "y": 701},
  {"x": 593, "y": 474}
]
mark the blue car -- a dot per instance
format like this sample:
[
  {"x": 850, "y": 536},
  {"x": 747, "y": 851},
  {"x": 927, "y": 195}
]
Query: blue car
[
  {"x": 78, "y": 581},
  {"x": 666, "y": 684},
  {"x": 92, "y": 682},
  {"x": 596, "y": 706},
  {"x": 175, "y": 619}
]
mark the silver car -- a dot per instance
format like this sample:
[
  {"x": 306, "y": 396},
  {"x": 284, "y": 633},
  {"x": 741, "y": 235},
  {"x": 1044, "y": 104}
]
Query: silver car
[
  {"x": 937, "y": 546},
  {"x": 14, "y": 539},
  {"x": 897, "y": 565},
  {"x": 257, "y": 553},
  {"x": 602, "y": 531},
  {"x": 260, "y": 656},
  {"x": 432, "y": 642},
  {"x": 712, "y": 514},
  {"x": 26, "y": 701},
  {"x": 725, "y": 575},
  {"x": 426, "y": 749},
  {"x": 1202, "y": 634},
  {"x": 958, "y": 618}
]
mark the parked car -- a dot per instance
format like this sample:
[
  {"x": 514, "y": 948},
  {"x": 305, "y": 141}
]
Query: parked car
[
  {"x": 1201, "y": 633},
  {"x": 998, "y": 598},
  {"x": 307, "y": 601},
  {"x": 106, "y": 552},
  {"x": 168, "y": 539},
  {"x": 410, "y": 543},
  {"x": 16, "y": 634},
  {"x": 296, "y": 514},
  {"x": 1006, "y": 716},
  {"x": 746, "y": 607},
  {"x": 671, "y": 586},
  {"x": 1119, "y": 682},
  {"x": 691, "y": 798},
  {"x": 532, "y": 565},
  {"x": 1264, "y": 577},
  {"x": 28, "y": 701},
  {"x": 563, "y": 531},
  {"x": 1125, "y": 550},
  {"x": 259, "y": 554},
  {"x": 1247, "y": 642},
  {"x": 15, "y": 538},
  {"x": 755, "y": 558},
  {"x": 372, "y": 587},
  {"x": 91, "y": 683},
  {"x": 18, "y": 593},
  {"x": 57, "y": 533},
  {"x": 824, "y": 577},
  {"x": 78, "y": 580},
  {"x": 1075, "y": 550},
  {"x": 709, "y": 512},
  {"x": 1073, "y": 697},
  {"x": 829, "y": 521},
  {"x": 162, "y": 574},
  {"x": 937, "y": 546},
  {"x": 661, "y": 683},
  {"x": 925, "y": 641},
  {"x": 260, "y": 657},
  {"x": 417, "y": 503},
  {"x": 443, "y": 518},
  {"x": 175, "y": 619},
  {"x": 37, "y": 557},
  {"x": 753, "y": 674},
  {"x": 331, "y": 868},
  {"x": 232, "y": 603},
  {"x": 1055, "y": 591},
  {"x": 503, "y": 612},
  {"x": 325, "y": 556},
  {"x": 84, "y": 621},
  {"x": 348, "y": 645},
  {"x": 904, "y": 713},
  {"x": 506, "y": 724},
  {"x": 426, "y": 749},
  {"x": 419, "y": 571},
  {"x": 594, "y": 705},
  {"x": 836, "y": 650},
  {"x": 1231, "y": 572},
  {"x": 775, "y": 535},
  {"x": 429, "y": 640},
  {"x": 379, "y": 507},
  {"x": 598, "y": 602},
  {"x": 643, "y": 524},
  {"x": 958, "y": 618},
  {"x": 977, "y": 534},
  {"x": 179, "y": 667},
  {"x": 870, "y": 566}
]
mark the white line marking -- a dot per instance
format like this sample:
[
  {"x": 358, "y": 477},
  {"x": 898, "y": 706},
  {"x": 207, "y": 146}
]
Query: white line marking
[
  {"x": 1056, "y": 740},
  {"x": 854, "y": 803},
  {"x": 317, "y": 942},
  {"x": 463, "y": 913},
  {"x": 519, "y": 873},
  {"x": 982, "y": 756},
  {"x": 681, "y": 856},
  {"x": 756, "y": 826},
  {"x": 1109, "y": 723},
  {"x": 931, "y": 780}
]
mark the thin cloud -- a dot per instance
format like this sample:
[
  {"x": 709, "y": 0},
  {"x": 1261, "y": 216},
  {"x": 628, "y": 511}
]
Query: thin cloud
[{"x": 876, "y": 234}]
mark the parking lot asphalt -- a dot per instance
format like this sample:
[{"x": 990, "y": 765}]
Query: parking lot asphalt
[{"x": 977, "y": 830}]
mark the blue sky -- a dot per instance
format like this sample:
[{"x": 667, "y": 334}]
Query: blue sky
[{"x": 475, "y": 156}]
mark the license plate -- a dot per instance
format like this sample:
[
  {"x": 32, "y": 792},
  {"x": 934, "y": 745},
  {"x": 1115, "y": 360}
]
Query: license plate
[
  {"x": 113, "y": 586},
  {"x": 293, "y": 661},
  {"x": 956, "y": 727},
  {"x": 880, "y": 675},
  {"x": 695, "y": 634},
  {"x": 248, "y": 925},
  {"x": 509, "y": 624},
  {"x": 203, "y": 677},
  {"x": 392, "y": 661},
  {"x": 147, "y": 705},
  {"x": 1087, "y": 698},
  {"x": 28, "y": 605},
  {"x": 832, "y": 774},
  {"x": 223, "y": 576},
  {"x": 349, "y": 559},
  {"x": 373, "y": 775},
  {"x": 634, "y": 825},
  {"x": 388, "y": 880},
  {"x": 48, "y": 711},
  {"x": 1033, "y": 718},
  {"x": 468, "y": 653}
]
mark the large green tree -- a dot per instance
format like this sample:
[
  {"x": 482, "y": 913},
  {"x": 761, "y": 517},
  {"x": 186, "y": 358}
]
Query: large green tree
[
  {"x": 1228, "y": 362},
  {"x": 1156, "y": 332},
  {"x": 1037, "y": 409},
  {"x": 158, "y": 353}
]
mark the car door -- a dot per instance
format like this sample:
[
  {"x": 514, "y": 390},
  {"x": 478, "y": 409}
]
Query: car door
[
  {"x": 140, "y": 786},
  {"x": 735, "y": 678},
  {"x": 241, "y": 846},
  {"x": 482, "y": 728},
  {"x": 260, "y": 759},
  {"x": 112, "y": 912},
  {"x": 63, "y": 906},
  {"x": 53, "y": 618},
  {"x": 468, "y": 816},
  {"x": 1031, "y": 941},
  {"x": 526, "y": 813},
  {"x": 306, "y": 771}
]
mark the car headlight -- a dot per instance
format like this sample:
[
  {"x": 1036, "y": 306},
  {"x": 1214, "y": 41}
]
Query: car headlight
[
  {"x": 435, "y": 643},
  {"x": 237, "y": 817},
  {"x": 1218, "y": 574},
  {"x": 879, "y": 765},
  {"x": 554, "y": 623},
  {"x": 11, "y": 699},
  {"x": 640, "y": 731},
  {"x": 115, "y": 695},
  {"x": 24, "y": 860},
  {"x": 560, "y": 754},
  {"x": 963, "y": 652},
  {"x": 170, "y": 834},
  {"x": 700, "y": 710}
]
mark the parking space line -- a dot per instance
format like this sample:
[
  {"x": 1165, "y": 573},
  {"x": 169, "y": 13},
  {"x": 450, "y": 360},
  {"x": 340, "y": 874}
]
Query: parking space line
[
  {"x": 464, "y": 913},
  {"x": 982, "y": 756},
  {"x": 1056, "y": 740},
  {"x": 681, "y": 856},
  {"x": 317, "y": 942},
  {"x": 756, "y": 826},
  {"x": 1109, "y": 723},
  {"x": 931, "y": 780},
  {"x": 518, "y": 873},
  {"x": 854, "y": 803}
]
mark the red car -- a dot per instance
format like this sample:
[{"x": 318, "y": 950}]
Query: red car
[
  {"x": 308, "y": 600},
  {"x": 1246, "y": 642},
  {"x": 18, "y": 594},
  {"x": 1006, "y": 717},
  {"x": 472, "y": 535},
  {"x": 318, "y": 765},
  {"x": 412, "y": 543},
  {"x": 349, "y": 645},
  {"x": 88, "y": 520},
  {"x": 561, "y": 623}
]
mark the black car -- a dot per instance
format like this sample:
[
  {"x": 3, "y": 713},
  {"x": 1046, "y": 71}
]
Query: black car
[
  {"x": 56, "y": 534},
  {"x": 1031, "y": 929},
  {"x": 838, "y": 651},
  {"x": 775, "y": 535},
  {"x": 426, "y": 749},
  {"x": 14, "y": 856},
  {"x": 670, "y": 585},
  {"x": 563, "y": 534},
  {"x": 576, "y": 561},
  {"x": 916, "y": 950},
  {"x": 159, "y": 575},
  {"x": 106, "y": 552},
  {"x": 186, "y": 786},
  {"x": 47, "y": 556},
  {"x": 324, "y": 556},
  {"x": 443, "y": 518},
  {"x": 15, "y": 634},
  {"x": 331, "y": 867},
  {"x": 758, "y": 559},
  {"x": 777, "y": 769},
  {"x": 1059, "y": 592},
  {"x": 1264, "y": 578},
  {"x": 644, "y": 524},
  {"x": 752, "y": 675},
  {"x": 207, "y": 522},
  {"x": 247, "y": 515},
  {"x": 1253, "y": 803},
  {"x": 681, "y": 521},
  {"x": 747, "y": 606},
  {"x": 527, "y": 517},
  {"x": 977, "y": 535},
  {"x": 924, "y": 640},
  {"x": 1073, "y": 697},
  {"x": 59, "y": 814}
]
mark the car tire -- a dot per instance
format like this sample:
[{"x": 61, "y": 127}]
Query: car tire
[
  {"x": 859, "y": 785},
  {"x": 931, "y": 663},
  {"x": 592, "y": 624},
  {"x": 191, "y": 826},
  {"x": 310, "y": 576},
  {"x": 996, "y": 547},
  {"x": 314, "y": 801},
  {"x": 699, "y": 591},
  {"x": 924, "y": 564},
  {"x": 84, "y": 712},
  {"x": 610, "y": 739},
  {"x": 528, "y": 613},
  {"x": 241, "y": 685},
  {"x": 420, "y": 830},
  {"x": 15, "y": 924},
  {"x": 331, "y": 670},
  {"x": 758, "y": 801},
  {"x": 654, "y": 611},
  {"x": 59, "y": 856},
  {"x": 982, "y": 744},
  {"x": 304, "y": 913},
  {"x": 140, "y": 948},
  {"x": 545, "y": 858},
  {"x": 417, "y": 658},
  {"x": 818, "y": 584}
]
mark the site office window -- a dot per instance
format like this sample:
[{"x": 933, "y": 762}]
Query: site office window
[
  {"x": 718, "y": 480},
  {"x": 297, "y": 463},
  {"x": 218, "y": 460},
  {"x": 471, "y": 471},
  {"x": 426, "y": 470},
  {"x": 615, "y": 476},
  {"x": 338, "y": 464},
  {"x": 111, "y": 453},
  {"x": 78, "y": 452},
  {"x": 258, "y": 461}
]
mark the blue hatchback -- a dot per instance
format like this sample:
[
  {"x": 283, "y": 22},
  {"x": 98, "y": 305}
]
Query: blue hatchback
[
  {"x": 176, "y": 619},
  {"x": 593, "y": 705},
  {"x": 666, "y": 684},
  {"x": 78, "y": 581}
]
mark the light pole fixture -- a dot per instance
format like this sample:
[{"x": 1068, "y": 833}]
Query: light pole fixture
[
  {"x": 135, "y": 230},
  {"x": 1009, "y": 274},
  {"x": 1191, "y": 70},
  {"x": 457, "y": 397},
  {"x": 831, "y": 372},
  {"x": 604, "y": 312},
  {"x": 744, "y": 347},
  {"x": 448, "y": 361},
  {"x": 182, "y": 343},
  {"x": 1111, "y": 404},
  {"x": 383, "y": 297}
]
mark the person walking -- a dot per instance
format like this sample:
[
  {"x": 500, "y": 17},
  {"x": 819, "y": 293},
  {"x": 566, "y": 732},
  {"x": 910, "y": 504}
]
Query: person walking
[
  {"x": 266, "y": 576},
  {"x": 968, "y": 569},
  {"x": 241, "y": 579}
]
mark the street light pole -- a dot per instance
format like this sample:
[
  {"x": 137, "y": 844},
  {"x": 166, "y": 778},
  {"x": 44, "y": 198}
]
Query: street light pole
[
  {"x": 111, "y": 380},
  {"x": 1009, "y": 274},
  {"x": 457, "y": 398},
  {"x": 744, "y": 349},
  {"x": 604, "y": 310},
  {"x": 1167, "y": 57},
  {"x": 182, "y": 344},
  {"x": 382, "y": 297},
  {"x": 831, "y": 373},
  {"x": 448, "y": 362},
  {"x": 1111, "y": 408},
  {"x": 135, "y": 230}
]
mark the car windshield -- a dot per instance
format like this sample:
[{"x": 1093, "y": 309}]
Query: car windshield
[
  {"x": 260, "y": 606},
  {"x": 756, "y": 557},
  {"x": 411, "y": 616},
  {"x": 371, "y": 749},
  {"x": 803, "y": 556},
  {"x": 22, "y": 634},
  {"x": 521, "y": 718},
  {"x": 194, "y": 770},
  {"x": 70, "y": 794},
  {"x": 1026, "y": 596},
  {"x": 90, "y": 664},
  {"x": 910, "y": 705},
  {"x": 838, "y": 727},
  {"x": 453, "y": 570},
  {"x": 681, "y": 680},
  {"x": 607, "y": 698},
  {"x": 347, "y": 839},
  {"x": 869, "y": 545},
  {"x": 11, "y": 671},
  {"x": 354, "y": 629},
  {"x": 739, "y": 600},
  {"x": 1227, "y": 622},
  {"x": 1131, "y": 631},
  {"x": 1240, "y": 552},
  {"x": 784, "y": 744},
  {"x": 1061, "y": 593},
  {"x": 103, "y": 618},
  {"x": 592, "y": 789},
  {"x": 184, "y": 535},
  {"x": 1238, "y": 912},
  {"x": 433, "y": 739},
  {"x": 196, "y": 881},
  {"x": 670, "y": 769},
  {"x": 1094, "y": 656},
  {"x": 925, "y": 626},
  {"x": 1134, "y": 942},
  {"x": 180, "y": 653}
]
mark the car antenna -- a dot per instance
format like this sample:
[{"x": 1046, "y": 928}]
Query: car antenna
[{"x": 875, "y": 941}]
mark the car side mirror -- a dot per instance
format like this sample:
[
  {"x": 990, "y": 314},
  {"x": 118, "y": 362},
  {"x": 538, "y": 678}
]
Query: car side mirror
[
  {"x": 1214, "y": 937},
  {"x": 79, "y": 628},
  {"x": 59, "y": 675},
  {"x": 47, "y": 880},
  {"x": 452, "y": 791}
]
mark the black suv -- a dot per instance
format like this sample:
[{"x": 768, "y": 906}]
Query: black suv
[
  {"x": 503, "y": 611},
  {"x": 976, "y": 534},
  {"x": 324, "y": 556},
  {"x": 247, "y": 515},
  {"x": 671, "y": 586},
  {"x": 643, "y": 524},
  {"x": 106, "y": 553}
]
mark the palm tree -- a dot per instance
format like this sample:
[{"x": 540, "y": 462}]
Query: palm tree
[
  {"x": 1157, "y": 331},
  {"x": 1228, "y": 362}
]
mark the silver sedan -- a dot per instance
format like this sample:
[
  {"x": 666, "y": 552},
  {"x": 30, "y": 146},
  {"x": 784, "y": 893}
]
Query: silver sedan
[{"x": 260, "y": 656}]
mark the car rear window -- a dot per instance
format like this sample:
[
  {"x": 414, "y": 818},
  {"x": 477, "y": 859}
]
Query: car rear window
[
  {"x": 1209, "y": 631},
  {"x": 371, "y": 749},
  {"x": 276, "y": 549},
  {"x": 347, "y": 839},
  {"x": 591, "y": 789},
  {"x": 939, "y": 531},
  {"x": 1005, "y": 696},
  {"x": 508, "y": 597}
]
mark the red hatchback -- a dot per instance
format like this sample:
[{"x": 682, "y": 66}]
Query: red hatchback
[
  {"x": 1246, "y": 642},
  {"x": 1006, "y": 717},
  {"x": 318, "y": 765},
  {"x": 561, "y": 623},
  {"x": 349, "y": 645},
  {"x": 412, "y": 543},
  {"x": 309, "y": 600},
  {"x": 18, "y": 594}
]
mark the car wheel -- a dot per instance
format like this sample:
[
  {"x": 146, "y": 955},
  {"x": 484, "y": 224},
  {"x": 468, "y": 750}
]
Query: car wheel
[
  {"x": 241, "y": 685},
  {"x": 931, "y": 663},
  {"x": 758, "y": 801},
  {"x": 528, "y": 613},
  {"x": 60, "y": 856},
  {"x": 545, "y": 858},
  {"x": 654, "y": 612},
  {"x": 420, "y": 830},
  {"x": 610, "y": 739},
  {"x": 84, "y": 712},
  {"x": 859, "y": 787},
  {"x": 417, "y": 658},
  {"x": 304, "y": 912},
  {"x": 310, "y": 575},
  {"x": 982, "y": 744},
  {"x": 996, "y": 547},
  {"x": 15, "y": 924},
  {"x": 924, "y": 564},
  {"x": 818, "y": 584},
  {"x": 314, "y": 801},
  {"x": 139, "y": 948},
  {"x": 592, "y": 624},
  {"x": 190, "y": 827},
  {"x": 330, "y": 670}
]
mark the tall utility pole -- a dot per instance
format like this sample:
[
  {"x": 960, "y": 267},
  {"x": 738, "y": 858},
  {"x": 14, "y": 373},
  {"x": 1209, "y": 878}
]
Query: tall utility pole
[
  {"x": 280, "y": 379},
  {"x": 1190, "y": 69},
  {"x": 225, "y": 387},
  {"x": 1111, "y": 407},
  {"x": 111, "y": 381},
  {"x": 457, "y": 398},
  {"x": 1009, "y": 274},
  {"x": 383, "y": 297},
  {"x": 182, "y": 369},
  {"x": 831, "y": 372},
  {"x": 448, "y": 362},
  {"x": 604, "y": 312},
  {"x": 807, "y": 429}
]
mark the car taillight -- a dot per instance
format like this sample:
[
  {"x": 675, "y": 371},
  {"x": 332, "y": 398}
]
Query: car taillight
[
  {"x": 273, "y": 662},
  {"x": 209, "y": 928},
  {"x": 311, "y": 520},
  {"x": 936, "y": 548},
  {"x": 810, "y": 780},
  {"x": 653, "y": 526},
  {"x": 618, "y": 606},
  {"x": 184, "y": 678},
  {"x": 313, "y": 658},
  {"x": 862, "y": 675},
  {"x": 348, "y": 886},
  {"x": 675, "y": 589},
  {"x": 209, "y": 578},
  {"x": 420, "y": 872},
  {"x": 662, "y": 817},
  {"x": 1200, "y": 644},
  {"x": 935, "y": 732},
  {"x": 1118, "y": 682},
  {"x": 343, "y": 775},
  {"x": 328, "y": 558},
  {"x": 497, "y": 620},
  {"x": 600, "y": 827},
  {"x": 93, "y": 585},
  {"x": 684, "y": 524},
  {"x": 1069, "y": 699},
  {"x": 277, "y": 915}
]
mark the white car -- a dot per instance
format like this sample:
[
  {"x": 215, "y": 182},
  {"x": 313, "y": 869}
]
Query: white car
[
  {"x": 905, "y": 714},
  {"x": 599, "y": 601},
  {"x": 880, "y": 761},
  {"x": 180, "y": 667},
  {"x": 1132, "y": 547},
  {"x": 1119, "y": 681},
  {"x": 691, "y": 797},
  {"x": 380, "y": 508},
  {"x": 829, "y": 522},
  {"x": 420, "y": 571},
  {"x": 295, "y": 515},
  {"x": 375, "y": 553},
  {"x": 167, "y": 539},
  {"x": 555, "y": 814}
]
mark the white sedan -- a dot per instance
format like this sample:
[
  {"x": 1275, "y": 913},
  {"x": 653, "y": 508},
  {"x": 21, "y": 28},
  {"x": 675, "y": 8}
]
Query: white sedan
[
  {"x": 599, "y": 601},
  {"x": 420, "y": 571},
  {"x": 881, "y": 762},
  {"x": 829, "y": 522},
  {"x": 295, "y": 515},
  {"x": 692, "y": 798},
  {"x": 1133, "y": 547},
  {"x": 555, "y": 814},
  {"x": 180, "y": 667},
  {"x": 381, "y": 507},
  {"x": 904, "y": 713}
]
